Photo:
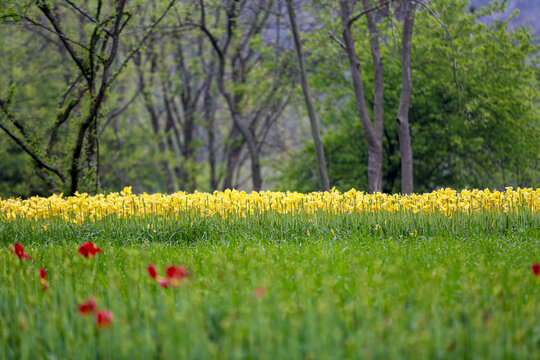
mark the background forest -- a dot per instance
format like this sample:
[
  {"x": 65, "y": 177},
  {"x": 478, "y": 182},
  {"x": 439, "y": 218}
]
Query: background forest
[{"x": 206, "y": 94}]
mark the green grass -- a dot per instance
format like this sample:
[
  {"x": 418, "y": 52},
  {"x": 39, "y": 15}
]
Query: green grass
[{"x": 460, "y": 289}]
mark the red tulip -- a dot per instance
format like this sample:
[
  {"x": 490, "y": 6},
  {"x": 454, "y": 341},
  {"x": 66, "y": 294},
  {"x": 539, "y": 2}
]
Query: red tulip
[
  {"x": 152, "y": 271},
  {"x": 18, "y": 250},
  {"x": 104, "y": 318},
  {"x": 535, "y": 268},
  {"x": 88, "y": 307},
  {"x": 176, "y": 272},
  {"x": 88, "y": 250},
  {"x": 42, "y": 279}
]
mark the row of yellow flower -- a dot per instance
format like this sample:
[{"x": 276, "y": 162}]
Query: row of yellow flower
[{"x": 239, "y": 203}]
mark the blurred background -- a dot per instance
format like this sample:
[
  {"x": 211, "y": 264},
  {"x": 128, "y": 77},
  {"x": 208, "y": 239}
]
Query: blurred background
[{"x": 206, "y": 95}]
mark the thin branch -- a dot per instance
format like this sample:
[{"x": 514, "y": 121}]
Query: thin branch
[
  {"x": 449, "y": 36},
  {"x": 62, "y": 118},
  {"x": 336, "y": 39},
  {"x": 17, "y": 123},
  {"x": 60, "y": 35},
  {"x": 390, "y": 14},
  {"x": 47, "y": 12},
  {"x": 211, "y": 37},
  {"x": 118, "y": 111},
  {"x": 38, "y": 160},
  {"x": 141, "y": 43},
  {"x": 364, "y": 12},
  {"x": 88, "y": 16},
  {"x": 64, "y": 96}
]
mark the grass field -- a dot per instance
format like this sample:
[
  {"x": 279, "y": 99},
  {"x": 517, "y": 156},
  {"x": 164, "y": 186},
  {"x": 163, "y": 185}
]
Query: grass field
[{"x": 274, "y": 286}]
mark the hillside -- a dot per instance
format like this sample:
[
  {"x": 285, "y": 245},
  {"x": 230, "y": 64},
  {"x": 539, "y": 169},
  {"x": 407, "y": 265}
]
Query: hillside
[{"x": 529, "y": 13}]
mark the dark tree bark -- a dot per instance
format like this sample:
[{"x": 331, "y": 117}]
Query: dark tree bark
[
  {"x": 405, "y": 101},
  {"x": 373, "y": 132},
  {"x": 319, "y": 149},
  {"x": 235, "y": 143}
]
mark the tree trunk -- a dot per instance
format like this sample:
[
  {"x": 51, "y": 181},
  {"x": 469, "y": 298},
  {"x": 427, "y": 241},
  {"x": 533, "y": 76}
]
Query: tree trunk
[
  {"x": 92, "y": 155},
  {"x": 209, "y": 110},
  {"x": 405, "y": 101},
  {"x": 373, "y": 134},
  {"x": 248, "y": 135},
  {"x": 319, "y": 149},
  {"x": 236, "y": 142}
]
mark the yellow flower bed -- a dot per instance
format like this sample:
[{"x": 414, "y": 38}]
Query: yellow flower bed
[{"x": 82, "y": 207}]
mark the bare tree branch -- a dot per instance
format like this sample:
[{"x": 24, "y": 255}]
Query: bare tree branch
[
  {"x": 88, "y": 16},
  {"x": 336, "y": 39},
  {"x": 364, "y": 12},
  {"x": 141, "y": 43},
  {"x": 60, "y": 35},
  {"x": 44, "y": 7},
  {"x": 460, "y": 89},
  {"x": 39, "y": 162}
]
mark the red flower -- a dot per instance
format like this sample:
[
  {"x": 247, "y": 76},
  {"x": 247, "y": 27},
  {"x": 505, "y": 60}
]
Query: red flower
[
  {"x": 88, "y": 307},
  {"x": 42, "y": 279},
  {"x": 176, "y": 272},
  {"x": 535, "y": 268},
  {"x": 19, "y": 251},
  {"x": 152, "y": 271},
  {"x": 104, "y": 318},
  {"x": 88, "y": 250}
]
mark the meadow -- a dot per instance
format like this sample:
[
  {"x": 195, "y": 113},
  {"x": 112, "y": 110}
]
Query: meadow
[{"x": 445, "y": 275}]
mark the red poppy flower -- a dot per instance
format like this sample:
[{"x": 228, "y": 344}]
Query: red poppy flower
[
  {"x": 88, "y": 307},
  {"x": 104, "y": 318},
  {"x": 88, "y": 250},
  {"x": 18, "y": 250},
  {"x": 535, "y": 268},
  {"x": 152, "y": 271},
  {"x": 42, "y": 279}
]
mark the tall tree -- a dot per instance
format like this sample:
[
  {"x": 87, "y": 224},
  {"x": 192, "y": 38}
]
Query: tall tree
[
  {"x": 319, "y": 149},
  {"x": 404, "y": 133},
  {"x": 244, "y": 23},
  {"x": 372, "y": 130}
]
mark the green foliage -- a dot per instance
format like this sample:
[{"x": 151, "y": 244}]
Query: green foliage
[
  {"x": 488, "y": 135},
  {"x": 17, "y": 176},
  {"x": 350, "y": 288}
]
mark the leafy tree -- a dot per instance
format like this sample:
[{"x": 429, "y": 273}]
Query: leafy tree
[
  {"x": 488, "y": 135},
  {"x": 89, "y": 45}
]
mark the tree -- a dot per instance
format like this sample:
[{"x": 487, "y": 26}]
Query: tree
[
  {"x": 404, "y": 134},
  {"x": 486, "y": 136},
  {"x": 93, "y": 55},
  {"x": 373, "y": 131},
  {"x": 319, "y": 149},
  {"x": 236, "y": 56}
]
